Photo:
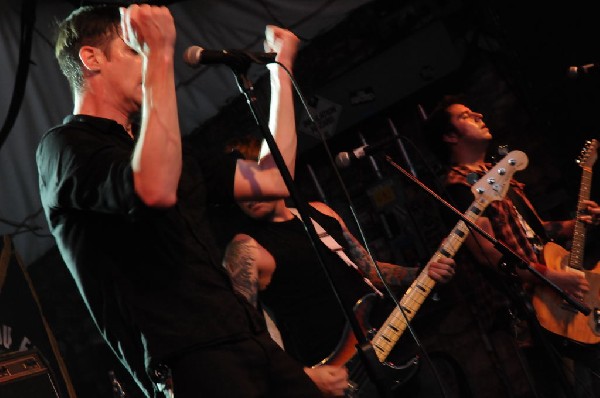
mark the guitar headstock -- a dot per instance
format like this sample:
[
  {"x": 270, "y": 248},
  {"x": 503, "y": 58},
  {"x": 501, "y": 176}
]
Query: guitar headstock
[
  {"x": 496, "y": 182},
  {"x": 589, "y": 154}
]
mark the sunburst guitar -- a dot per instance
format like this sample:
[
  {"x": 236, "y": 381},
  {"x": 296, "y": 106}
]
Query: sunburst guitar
[{"x": 554, "y": 313}]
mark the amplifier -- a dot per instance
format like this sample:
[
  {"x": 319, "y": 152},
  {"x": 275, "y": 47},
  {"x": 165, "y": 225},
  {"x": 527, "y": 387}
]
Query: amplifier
[{"x": 23, "y": 375}]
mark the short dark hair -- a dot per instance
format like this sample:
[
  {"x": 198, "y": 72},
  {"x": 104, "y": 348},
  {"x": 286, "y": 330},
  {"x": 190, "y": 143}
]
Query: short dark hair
[
  {"x": 86, "y": 26},
  {"x": 438, "y": 124}
]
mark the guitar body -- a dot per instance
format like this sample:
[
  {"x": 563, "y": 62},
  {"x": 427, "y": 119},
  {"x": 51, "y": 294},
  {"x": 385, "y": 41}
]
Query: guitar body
[
  {"x": 394, "y": 375},
  {"x": 346, "y": 347},
  {"x": 553, "y": 313},
  {"x": 560, "y": 318}
]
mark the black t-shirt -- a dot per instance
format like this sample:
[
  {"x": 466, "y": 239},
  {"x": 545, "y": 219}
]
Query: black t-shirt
[
  {"x": 143, "y": 272},
  {"x": 299, "y": 295}
]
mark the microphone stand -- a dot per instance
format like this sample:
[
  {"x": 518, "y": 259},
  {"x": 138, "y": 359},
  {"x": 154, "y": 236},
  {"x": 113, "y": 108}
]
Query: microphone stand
[
  {"x": 508, "y": 263},
  {"x": 364, "y": 348}
]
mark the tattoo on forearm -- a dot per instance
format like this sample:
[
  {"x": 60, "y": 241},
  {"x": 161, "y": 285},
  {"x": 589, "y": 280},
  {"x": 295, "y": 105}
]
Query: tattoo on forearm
[
  {"x": 393, "y": 275},
  {"x": 396, "y": 275},
  {"x": 240, "y": 261},
  {"x": 359, "y": 255}
]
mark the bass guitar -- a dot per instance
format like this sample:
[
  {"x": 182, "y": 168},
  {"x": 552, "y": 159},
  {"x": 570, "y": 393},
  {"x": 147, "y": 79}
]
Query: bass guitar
[
  {"x": 492, "y": 186},
  {"x": 553, "y": 313}
]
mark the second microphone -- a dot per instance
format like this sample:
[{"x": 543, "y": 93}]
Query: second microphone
[
  {"x": 344, "y": 159},
  {"x": 195, "y": 56}
]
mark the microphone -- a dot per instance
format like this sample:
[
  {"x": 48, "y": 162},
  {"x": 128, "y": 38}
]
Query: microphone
[
  {"x": 582, "y": 70},
  {"x": 343, "y": 159},
  {"x": 195, "y": 56}
]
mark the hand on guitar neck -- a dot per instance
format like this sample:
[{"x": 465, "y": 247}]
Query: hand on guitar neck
[{"x": 590, "y": 214}]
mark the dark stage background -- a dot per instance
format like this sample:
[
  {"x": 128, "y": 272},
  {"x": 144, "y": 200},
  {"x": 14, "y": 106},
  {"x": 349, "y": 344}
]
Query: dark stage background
[{"x": 386, "y": 65}]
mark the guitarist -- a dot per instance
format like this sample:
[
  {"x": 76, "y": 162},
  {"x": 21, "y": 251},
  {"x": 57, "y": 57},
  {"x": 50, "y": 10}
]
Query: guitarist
[
  {"x": 460, "y": 138},
  {"x": 273, "y": 264}
]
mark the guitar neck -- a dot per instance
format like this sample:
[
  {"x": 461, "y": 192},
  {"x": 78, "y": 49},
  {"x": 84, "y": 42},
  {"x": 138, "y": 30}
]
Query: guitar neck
[
  {"x": 390, "y": 332},
  {"x": 576, "y": 257}
]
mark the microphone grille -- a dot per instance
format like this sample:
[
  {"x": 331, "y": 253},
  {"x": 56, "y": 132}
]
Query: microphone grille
[
  {"x": 342, "y": 160},
  {"x": 192, "y": 55},
  {"x": 572, "y": 73}
]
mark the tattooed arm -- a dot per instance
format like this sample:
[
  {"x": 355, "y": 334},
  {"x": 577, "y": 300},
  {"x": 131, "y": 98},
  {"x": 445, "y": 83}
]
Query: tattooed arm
[
  {"x": 395, "y": 275},
  {"x": 240, "y": 261},
  {"x": 392, "y": 274}
]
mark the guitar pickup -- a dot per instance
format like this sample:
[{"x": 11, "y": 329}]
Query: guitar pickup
[{"x": 596, "y": 320}]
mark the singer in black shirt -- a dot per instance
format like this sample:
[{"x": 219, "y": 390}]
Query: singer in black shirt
[{"x": 128, "y": 209}]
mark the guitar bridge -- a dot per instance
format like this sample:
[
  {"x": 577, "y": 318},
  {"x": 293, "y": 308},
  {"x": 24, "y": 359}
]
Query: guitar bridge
[{"x": 596, "y": 320}]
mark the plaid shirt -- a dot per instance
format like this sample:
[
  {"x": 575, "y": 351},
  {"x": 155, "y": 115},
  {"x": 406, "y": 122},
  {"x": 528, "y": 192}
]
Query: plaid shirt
[
  {"x": 491, "y": 305},
  {"x": 507, "y": 224}
]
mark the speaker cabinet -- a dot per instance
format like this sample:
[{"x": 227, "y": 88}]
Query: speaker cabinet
[{"x": 24, "y": 375}]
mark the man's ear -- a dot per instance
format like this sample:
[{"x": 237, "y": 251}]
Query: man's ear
[{"x": 91, "y": 58}]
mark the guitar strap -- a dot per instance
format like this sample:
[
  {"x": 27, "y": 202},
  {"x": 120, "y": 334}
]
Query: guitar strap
[
  {"x": 335, "y": 247},
  {"x": 529, "y": 216}
]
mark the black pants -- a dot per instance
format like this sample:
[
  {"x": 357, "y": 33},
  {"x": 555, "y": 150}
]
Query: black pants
[
  {"x": 250, "y": 368},
  {"x": 565, "y": 369}
]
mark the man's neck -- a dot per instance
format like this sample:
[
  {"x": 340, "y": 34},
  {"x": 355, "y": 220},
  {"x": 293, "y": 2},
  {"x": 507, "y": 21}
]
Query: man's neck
[
  {"x": 470, "y": 156},
  {"x": 94, "y": 106}
]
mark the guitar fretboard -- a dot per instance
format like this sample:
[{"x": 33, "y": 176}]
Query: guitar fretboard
[
  {"x": 390, "y": 332},
  {"x": 576, "y": 256}
]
